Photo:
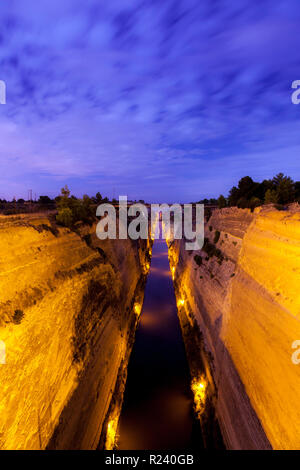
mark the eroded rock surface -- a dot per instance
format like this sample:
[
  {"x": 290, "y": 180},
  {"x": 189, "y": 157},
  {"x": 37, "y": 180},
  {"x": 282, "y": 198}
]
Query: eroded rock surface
[
  {"x": 66, "y": 318},
  {"x": 242, "y": 290}
]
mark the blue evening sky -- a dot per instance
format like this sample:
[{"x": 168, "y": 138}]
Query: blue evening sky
[{"x": 163, "y": 100}]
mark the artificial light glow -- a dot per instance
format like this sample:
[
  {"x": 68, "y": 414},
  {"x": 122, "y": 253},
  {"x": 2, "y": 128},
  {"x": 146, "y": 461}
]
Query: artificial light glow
[
  {"x": 111, "y": 434},
  {"x": 199, "y": 391},
  {"x": 137, "y": 309}
]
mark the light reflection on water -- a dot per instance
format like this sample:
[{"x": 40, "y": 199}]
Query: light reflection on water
[{"x": 157, "y": 409}]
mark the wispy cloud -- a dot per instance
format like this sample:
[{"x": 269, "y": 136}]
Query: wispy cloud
[{"x": 167, "y": 100}]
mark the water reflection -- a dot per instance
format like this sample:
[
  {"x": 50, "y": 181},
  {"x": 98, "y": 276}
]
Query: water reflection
[{"x": 157, "y": 411}]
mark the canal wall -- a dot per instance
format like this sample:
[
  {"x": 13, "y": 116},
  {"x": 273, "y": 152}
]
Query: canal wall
[
  {"x": 240, "y": 296},
  {"x": 68, "y": 310}
]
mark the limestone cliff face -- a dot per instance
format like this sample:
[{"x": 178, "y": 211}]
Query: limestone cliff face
[
  {"x": 66, "y": 319},
  {"x": 242, "y": 290}
]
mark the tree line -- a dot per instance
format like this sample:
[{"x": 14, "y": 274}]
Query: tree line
[
  {"x": 72, "y": 209},
  {"x": 280, "y": 190}
]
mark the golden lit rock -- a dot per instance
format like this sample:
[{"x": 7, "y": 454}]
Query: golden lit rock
[
  {"x": 199, "y": 390},
  {"x": 246, "y": 305},
  {"x": 111, "y": 434},
  {"x": 66, "y": 297},
  {"x": 137, "y": 309}
]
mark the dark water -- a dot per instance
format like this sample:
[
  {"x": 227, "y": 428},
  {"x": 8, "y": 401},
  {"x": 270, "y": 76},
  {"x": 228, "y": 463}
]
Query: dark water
[{"x": 157, "y": 410}]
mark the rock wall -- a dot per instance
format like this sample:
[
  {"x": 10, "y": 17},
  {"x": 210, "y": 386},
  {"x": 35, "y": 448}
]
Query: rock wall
[
  {"x": 242, "y": 292},
  {"x": 66, "y": 319}
]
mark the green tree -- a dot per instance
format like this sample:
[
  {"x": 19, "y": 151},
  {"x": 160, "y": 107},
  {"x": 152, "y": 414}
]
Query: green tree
[
  {"x": 285, "y": 189},
  {"x": 98, "y": 198},
  {"x": 222, "y": 202},
  {"x": 63, "y": 200},
  {"x": 44, "y": 200},
  {"x": 65, "y": 217},
  {"x": 65, "y": 192},
  {"x": 254, "y": 202},
  {"x": 297, "y": 191},
  {"x": 271, "y": 196},
  {"x": 233, "y": 196},
  {"x": 243, "y": 203},
  {"x": 246, "y": 187},
  {"x": 72, "y": 210}
]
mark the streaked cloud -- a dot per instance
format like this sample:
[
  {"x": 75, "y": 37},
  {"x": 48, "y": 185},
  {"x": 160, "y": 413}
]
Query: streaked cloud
[{"x": 168, "y": 100}]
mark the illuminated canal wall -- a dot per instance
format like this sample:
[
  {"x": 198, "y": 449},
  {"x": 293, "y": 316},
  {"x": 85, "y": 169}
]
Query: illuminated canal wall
[
  {"x": 240, "y": 296},
  {"x": 67, "y": 313}
]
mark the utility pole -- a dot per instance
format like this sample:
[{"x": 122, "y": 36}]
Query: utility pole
[{"x": 30, "y": 199}]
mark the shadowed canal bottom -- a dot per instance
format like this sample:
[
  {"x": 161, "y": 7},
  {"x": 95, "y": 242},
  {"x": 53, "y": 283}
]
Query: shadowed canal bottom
[{"x": 157, "y": 411}]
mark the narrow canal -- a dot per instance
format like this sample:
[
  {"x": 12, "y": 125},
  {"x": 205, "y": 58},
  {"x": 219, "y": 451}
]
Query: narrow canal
[{"x": 157, "y": 411}]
